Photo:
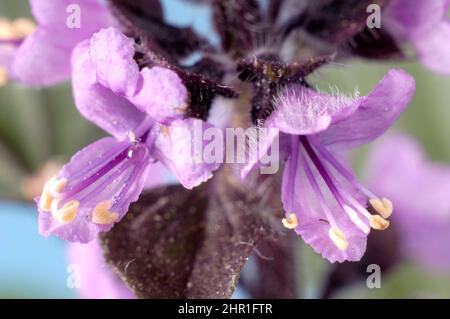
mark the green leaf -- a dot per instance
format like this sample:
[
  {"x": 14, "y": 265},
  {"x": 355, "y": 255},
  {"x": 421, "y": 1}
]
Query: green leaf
[{"x": 405, "y": 281}]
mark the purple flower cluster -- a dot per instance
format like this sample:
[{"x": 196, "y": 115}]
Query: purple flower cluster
[{"x": 129, "y": 78}]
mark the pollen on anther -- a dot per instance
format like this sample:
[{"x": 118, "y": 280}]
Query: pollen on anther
[
  {"x": 59, "y": 185},
  {"x": 102, "y": 214},
  {"x": 290, "y": 222},
  {"x": 165, "y": 130},
  {"x": 17, "y": 29},
  {"x": 338, "y": 238},
  {"x": 23, "y": 27},
  {"x": 45, "y": 202},
  {"x": 51, "y": 188},
  {"x": 383, "y": 206},
  {"x": 379, "y": 223},
  {"x": 68, "y": 212}
]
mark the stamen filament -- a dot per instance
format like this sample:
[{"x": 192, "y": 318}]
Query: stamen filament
[
  {"x": 92, "y": 193},
  {"x": 291, "y": 177},
  {"x": 341, "y": 169},
  {"x": 96, "y": 176},
  {"x": 316, "y": 189},
  {"x": 322, "y": 171},
  {"x": 331, "y": 183},
  {"x": 136, "y": 171}
]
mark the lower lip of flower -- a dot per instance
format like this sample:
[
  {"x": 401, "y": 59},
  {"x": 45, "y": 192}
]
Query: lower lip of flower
[
  {"x": 314, "y": 157},
  {"x": 104, "y": 181}
]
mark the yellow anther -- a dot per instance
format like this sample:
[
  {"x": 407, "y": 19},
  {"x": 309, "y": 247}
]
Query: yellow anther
[
  {"x": 379, "y": 223},
  {"x": 6, "y": 29},
  {"x": 68, "y": 212},
  {"x": 4, "y": 77},
  {"x": 338, "y": 238},
  {"x": 58, "y": 185},
  {"x": 101, "y": 214},
  {"x": 51, "y": 188},
  {"x": 384, "y": 207},
  {"x": 45, "y": 202},
  {"x": 17, "y": 29},
  {"x": 23, "y": 27},
  {"x": 290, "y": 222},
  {"x": 165, "y": 130}
]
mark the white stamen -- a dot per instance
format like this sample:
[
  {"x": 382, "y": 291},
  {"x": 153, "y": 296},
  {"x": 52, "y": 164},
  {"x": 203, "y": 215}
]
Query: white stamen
[{"x": 356, "y": 220}]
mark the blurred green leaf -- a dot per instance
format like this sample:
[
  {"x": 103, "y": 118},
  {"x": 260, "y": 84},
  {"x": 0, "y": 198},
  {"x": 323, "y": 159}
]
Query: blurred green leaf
[
  {"x": 313, "y": 271},
  {"x": 405, "y": 281},
  {"x": 37, "y": 125}
]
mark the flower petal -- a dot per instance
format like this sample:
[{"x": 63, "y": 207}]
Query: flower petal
[
  {"x": 375, "y": 114},
  {"x": 406, "y": 17},
  {"x": 426, "y": 25},
  {"x": 111, "y": 53},
  {"x": 434, "y": 48},
  {"x": 301, "y": 111},
  {"x": 177, "y": 147},
  {"x": 44, "y": 57},
  {"x": 93, "y": 13},
  {"x": 161, "y": 95},
  {"x": 299, "y": 197},
  {"x": 94, "y": 189},
  {"x": 113, "y": 113}
]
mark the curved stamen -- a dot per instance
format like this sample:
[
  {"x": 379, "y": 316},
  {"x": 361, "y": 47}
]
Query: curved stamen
[
  {"x": 119, "y": 200},
  {"x": 98, "y": 162},
  {"x": 332, "y": 185},
  {"x": 341, "y": 169},
  {"x": 317, "y": 191},
  {"x": 97, "y": 175},
  {"x": 293, "y": 172},
  {"x": 383, "y": 206},
  {"x": 322, "y": 171}
]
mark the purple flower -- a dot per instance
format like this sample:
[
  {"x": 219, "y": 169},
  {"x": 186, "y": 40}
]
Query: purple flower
[
  {"x": 426, "y": 25},
  {"x": 97, "y": 280},
  {"x": 398, "y": 168},
  {"x": 323, "y": 201},
  {"x": 43, "y": 57},
  {"x": 145, "y": 112}
]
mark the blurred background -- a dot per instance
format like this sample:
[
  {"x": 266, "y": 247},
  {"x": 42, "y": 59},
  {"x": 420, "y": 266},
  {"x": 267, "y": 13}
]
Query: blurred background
[{"x": 41, "y": 128}]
